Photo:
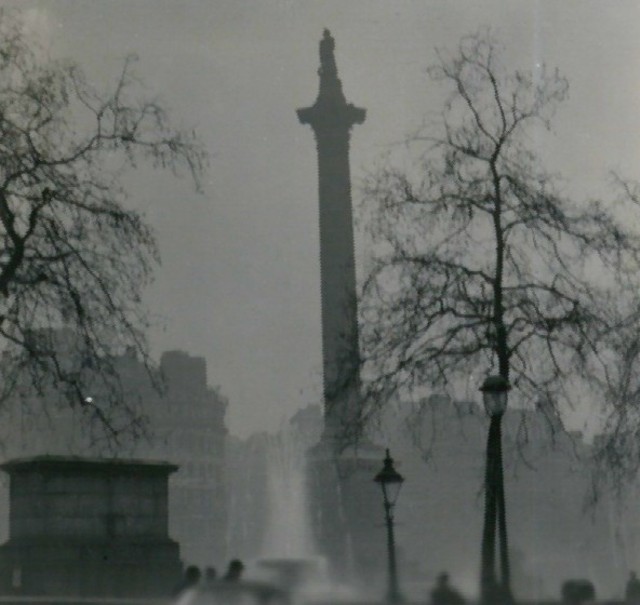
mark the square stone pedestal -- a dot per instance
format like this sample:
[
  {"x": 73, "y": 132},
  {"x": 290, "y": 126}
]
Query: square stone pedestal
[{"x": 346, "y": 510}]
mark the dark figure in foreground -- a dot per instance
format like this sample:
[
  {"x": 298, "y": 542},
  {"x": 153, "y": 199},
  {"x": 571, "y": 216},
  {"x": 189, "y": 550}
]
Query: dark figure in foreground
[
  {"x": 191, "y": 579},
  {"x": 443, "y": 594},
  {"x": 234, "y": 572},
  {"x": 577, "y": 592},
  {"x": 632, "y": 592}
]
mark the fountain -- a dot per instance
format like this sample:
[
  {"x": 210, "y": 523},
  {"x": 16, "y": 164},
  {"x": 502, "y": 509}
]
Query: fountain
[
  {"x": 288, "y": 532},
  {"x": 288, "y": 554},
  {"x": 289, "y": 557}
]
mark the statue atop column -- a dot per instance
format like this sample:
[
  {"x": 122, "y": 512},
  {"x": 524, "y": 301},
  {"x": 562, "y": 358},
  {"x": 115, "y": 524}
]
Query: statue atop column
[
  {"x": 343, "y": 496},
  {"x": 330, "y": 112},
  {"x": 331, "y": 118}
]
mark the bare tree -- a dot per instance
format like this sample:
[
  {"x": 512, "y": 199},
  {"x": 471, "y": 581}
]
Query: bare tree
[
  {"x": 616, "y": 448},
  {"x": 74, "y": 258},
  {"x": 482, "y": 266}
]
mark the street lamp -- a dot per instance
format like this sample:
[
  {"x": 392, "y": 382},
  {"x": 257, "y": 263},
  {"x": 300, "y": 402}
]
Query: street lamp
[
  {"x": 495, "y": 390},
  {"x": 390, "y": 481}
]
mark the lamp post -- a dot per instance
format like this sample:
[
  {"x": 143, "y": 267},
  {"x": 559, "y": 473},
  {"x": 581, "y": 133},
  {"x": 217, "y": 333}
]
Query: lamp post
[
  {"x": 494, "y": 591},
  {"x": 390, "y": 481}
]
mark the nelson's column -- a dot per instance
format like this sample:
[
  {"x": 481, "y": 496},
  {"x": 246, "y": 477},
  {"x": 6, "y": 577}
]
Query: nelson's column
[{"x": 345, "y": 506}]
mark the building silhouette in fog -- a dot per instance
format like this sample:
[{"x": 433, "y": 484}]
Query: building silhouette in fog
[
  {"x": 555, "y": 532},
  {"x": 186, "y": 423}
]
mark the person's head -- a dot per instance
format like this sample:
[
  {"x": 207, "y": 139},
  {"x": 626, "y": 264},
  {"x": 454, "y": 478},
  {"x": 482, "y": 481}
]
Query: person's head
[
  {"x": 235, "y": 570},
  {"x": 443, "y": 579},
  {"x": 192, "y": 574},
  {"x": 632, "y": 575}
]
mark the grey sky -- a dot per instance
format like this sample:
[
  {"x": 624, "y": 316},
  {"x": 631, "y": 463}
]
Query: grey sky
[{"x": 239, "y": 282}]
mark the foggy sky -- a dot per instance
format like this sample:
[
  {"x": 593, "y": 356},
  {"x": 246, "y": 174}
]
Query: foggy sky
[{"x": 239, "y": 283}]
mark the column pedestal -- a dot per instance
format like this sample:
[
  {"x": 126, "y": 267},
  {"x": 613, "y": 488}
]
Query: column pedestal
[{"x": 346, "y": 510}]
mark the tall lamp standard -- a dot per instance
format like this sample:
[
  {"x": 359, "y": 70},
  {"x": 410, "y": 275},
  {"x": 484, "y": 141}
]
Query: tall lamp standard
[
  {"x": 390, "y": 481},
  {"x": 495, "y": 391}
]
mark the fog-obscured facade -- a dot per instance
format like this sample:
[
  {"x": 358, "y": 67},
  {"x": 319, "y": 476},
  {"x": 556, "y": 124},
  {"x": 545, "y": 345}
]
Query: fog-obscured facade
[{"x": 185, "y": 426}]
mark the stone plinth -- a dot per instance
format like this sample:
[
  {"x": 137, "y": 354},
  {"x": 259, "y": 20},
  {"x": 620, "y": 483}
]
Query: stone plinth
[
  {"x": 88, "y": 527},
  {"x": 346, "y": 509}
]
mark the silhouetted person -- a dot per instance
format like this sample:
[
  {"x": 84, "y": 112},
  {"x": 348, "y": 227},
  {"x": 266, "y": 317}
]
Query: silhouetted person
[
  {"x": 234, "y": 571},
  {"x": 185, "y": 591},
  {"x": 443, "y": 594},
  {"x": 632, "y": 592}
]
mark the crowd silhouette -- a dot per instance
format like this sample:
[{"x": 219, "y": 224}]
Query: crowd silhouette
[{"x": 194, "y": 582}]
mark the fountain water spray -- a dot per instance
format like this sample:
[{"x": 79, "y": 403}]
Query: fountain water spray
[
  {"x": 289, "y": 555},
  {"x": 288, "y": 532}
]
